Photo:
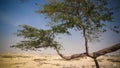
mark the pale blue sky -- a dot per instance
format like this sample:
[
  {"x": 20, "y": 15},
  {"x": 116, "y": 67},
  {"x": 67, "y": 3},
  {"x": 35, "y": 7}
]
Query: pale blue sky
[{"x": 13, "y": 13}]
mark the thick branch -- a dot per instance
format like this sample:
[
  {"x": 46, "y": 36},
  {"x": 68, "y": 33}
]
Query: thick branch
[
  {"x": 70, "y": 57},
  {"x": 95, "y": 54},
  {"x": 107, "y": 50}
]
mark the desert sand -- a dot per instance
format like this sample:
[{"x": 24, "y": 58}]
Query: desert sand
[{"x": 11, "y": 60}]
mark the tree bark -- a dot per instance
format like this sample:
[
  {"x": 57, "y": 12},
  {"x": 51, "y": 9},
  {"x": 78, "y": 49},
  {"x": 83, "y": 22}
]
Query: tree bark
[
  {"x": 107, "y": 50},
  {"x": 70, "y": 57},
  {"x": 86, "y": 41}
]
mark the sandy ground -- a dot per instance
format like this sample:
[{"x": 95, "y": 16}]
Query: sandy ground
[{"x": 54, "y": 61}]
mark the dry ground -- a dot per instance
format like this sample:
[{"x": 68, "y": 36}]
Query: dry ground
[{"x": 54, "y": 61}]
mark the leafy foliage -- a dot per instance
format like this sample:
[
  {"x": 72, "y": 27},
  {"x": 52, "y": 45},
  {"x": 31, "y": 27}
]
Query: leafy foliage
[
  {"x": 88, "y": 16},
  {"x": 35, "y": 38},
  {"x": 79, "y": 14}
]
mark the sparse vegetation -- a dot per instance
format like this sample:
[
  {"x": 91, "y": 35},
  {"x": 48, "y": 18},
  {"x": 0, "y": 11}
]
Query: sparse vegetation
[{"x": 51, "y": 61}]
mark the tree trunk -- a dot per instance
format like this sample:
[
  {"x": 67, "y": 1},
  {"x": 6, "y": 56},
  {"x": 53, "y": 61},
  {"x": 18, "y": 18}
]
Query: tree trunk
[
  {"x": 96, "y": 63},
  {"x": 86, "y": 41}
]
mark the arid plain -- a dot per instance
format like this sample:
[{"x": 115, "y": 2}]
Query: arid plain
[{"x": 11, "y": 60}]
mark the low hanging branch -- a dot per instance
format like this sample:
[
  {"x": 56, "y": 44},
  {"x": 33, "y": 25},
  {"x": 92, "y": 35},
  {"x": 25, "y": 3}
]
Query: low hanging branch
[
  {"x": 69, "y": 57},
  {"x": 95, "y": 54},
  {"x": 107, "y": 50}
]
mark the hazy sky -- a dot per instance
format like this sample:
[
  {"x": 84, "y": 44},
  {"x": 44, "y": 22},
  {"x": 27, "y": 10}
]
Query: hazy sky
[{"x": 14, "y": 13}]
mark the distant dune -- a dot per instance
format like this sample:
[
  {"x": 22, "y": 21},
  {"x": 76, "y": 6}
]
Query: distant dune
[{"x": 54, "y": 61}]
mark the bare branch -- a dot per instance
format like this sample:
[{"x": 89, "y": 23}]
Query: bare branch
[
  {"x": 107, "y": 50},
  {"x": 70, "y": 57},
  {"x": 95, "y": 54}
]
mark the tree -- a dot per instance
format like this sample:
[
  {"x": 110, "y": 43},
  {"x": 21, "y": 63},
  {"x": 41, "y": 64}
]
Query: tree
[{"x": 87, "y": 16}]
